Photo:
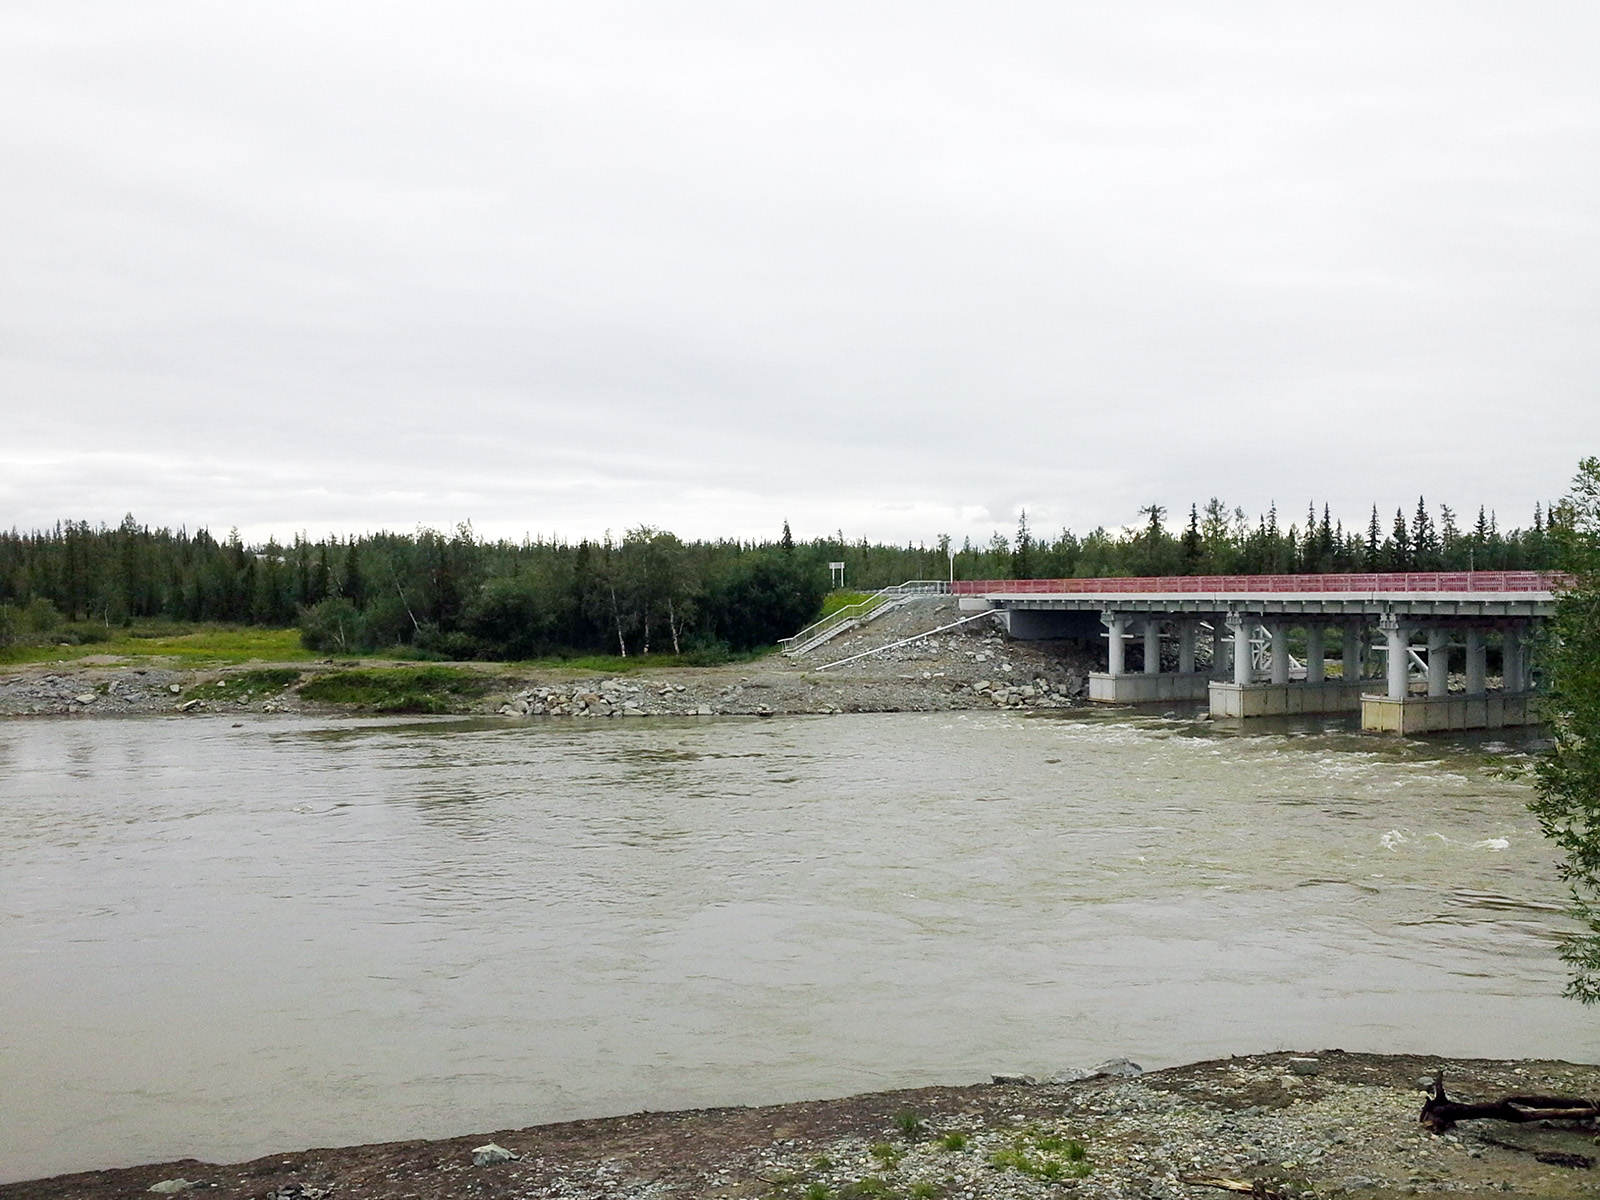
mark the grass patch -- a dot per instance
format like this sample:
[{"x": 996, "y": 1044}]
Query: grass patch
[
  {"x": 872, "y": 1185},
  {"x": 909, "y": 1124},
  {"x": 246, "y": 685},
  {"x": 954, "y": 1140},
  {"x": 888, "y": 1156},
  {"x": 399, "y": 689},
  {"x": 834, "y": 601},
  {"x": 190, "y": 644},
  {"x": 1046, "y": 1156}
]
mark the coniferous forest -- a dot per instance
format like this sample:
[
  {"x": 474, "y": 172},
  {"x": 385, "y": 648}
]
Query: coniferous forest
[{"x": 454, "y": 595}]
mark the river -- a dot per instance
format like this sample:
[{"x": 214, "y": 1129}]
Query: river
[{"x": 223, "y": 937}]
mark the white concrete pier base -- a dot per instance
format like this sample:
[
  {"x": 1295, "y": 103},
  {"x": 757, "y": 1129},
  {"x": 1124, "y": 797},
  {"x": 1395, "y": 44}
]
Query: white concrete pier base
[
  {"x": 1283, "y": 699},
  {"x": 1147, "y": 689}
]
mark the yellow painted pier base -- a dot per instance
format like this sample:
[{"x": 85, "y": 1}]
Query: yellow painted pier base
[{"x": 1430, "y": 714}]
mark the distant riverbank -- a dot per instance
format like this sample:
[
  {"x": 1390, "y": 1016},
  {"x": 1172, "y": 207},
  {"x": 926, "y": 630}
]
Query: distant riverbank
[{"x": 972, "y": 668}]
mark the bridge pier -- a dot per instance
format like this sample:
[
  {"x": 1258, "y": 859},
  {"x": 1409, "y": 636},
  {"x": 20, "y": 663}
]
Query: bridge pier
[
  {"x": 1439, "y": 708},
  {"x": 1151, "y": 684}
]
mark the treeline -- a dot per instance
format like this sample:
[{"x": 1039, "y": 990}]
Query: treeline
[
  {"x": 447, "y": 595},
  {"x": 458, "y": 596},
  {"x": 1218, "y": 541}
]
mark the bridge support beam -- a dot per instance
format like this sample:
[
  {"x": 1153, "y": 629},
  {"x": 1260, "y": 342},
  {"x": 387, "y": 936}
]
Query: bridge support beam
[
  {"x": 1399, "y": 641},
  {"x": 1221, "y": 647},
  {"x": 1354, "y": 639},
  {"x": 1152, "y": 646},
  {"x": 1438, "y": 662},
  {"x": 1243, "y": 671},
  {"x": 1186, "y": 647},
  {"x": 1116, "y": 630},
  {"x": 1476, "y": 656},
  {"x": 1316, "y": 661},
  {"x": 1279, "y": 644},
  {"x": 1511, "y": 669}
]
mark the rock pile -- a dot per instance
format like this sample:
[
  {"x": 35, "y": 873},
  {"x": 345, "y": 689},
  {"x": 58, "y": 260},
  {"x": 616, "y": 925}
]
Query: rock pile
[{"x": 607, "y": 698}]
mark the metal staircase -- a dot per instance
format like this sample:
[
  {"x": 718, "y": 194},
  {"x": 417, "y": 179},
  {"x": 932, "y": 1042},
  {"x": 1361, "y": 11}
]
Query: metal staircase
[{"x": 862, "y": 612}]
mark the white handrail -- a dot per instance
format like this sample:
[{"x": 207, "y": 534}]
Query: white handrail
[{"x": 911, "y": 587}]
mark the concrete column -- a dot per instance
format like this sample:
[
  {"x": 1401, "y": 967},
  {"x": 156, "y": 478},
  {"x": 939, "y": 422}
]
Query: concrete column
[
  {"x": 1186, "y": 647},
  {"x": 1152, "y": 646},
  {"x": 1511, "y": 673},
  {"x": 1475, "y": 662},
  {"x": 1398, "y": 637},
  {"x": 1354, "y": 636},
  {"x": 1280, "y": 652},
  {"x": 1241, "y": 624},
  {"x": 1117, "y": 628},
  {"x": 1315, "y": 657},
  {"x": 1438, "y": 662},
  {"x": 1221, "y": 647}
]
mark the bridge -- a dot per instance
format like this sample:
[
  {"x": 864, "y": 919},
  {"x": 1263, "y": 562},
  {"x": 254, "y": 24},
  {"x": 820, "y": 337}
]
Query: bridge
[{"x": 1228, "y": 640}]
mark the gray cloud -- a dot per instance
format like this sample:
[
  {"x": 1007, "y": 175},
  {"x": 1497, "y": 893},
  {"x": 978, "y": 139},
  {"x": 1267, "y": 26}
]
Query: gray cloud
[{"x": 899, "y": 269}]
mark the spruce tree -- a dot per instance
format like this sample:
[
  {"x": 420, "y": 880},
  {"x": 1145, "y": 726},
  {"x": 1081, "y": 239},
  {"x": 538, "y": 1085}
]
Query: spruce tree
[{"x": 1568, "y": 776}]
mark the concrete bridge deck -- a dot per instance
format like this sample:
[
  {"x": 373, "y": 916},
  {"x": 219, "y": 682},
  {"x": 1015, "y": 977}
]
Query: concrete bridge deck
[{"x": 1247, "y": 622}]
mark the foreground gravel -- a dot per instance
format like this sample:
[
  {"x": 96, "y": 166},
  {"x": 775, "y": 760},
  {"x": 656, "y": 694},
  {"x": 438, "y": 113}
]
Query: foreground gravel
[{"x": 1253, "y": 1125}]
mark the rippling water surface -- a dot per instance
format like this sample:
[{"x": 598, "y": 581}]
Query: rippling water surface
[{"x": 220, "y": 941}]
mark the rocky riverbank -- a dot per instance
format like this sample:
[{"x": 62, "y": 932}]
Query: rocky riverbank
[
  {"x": 973, "y": 667},
  {"x": 1275, "y": 1125}
]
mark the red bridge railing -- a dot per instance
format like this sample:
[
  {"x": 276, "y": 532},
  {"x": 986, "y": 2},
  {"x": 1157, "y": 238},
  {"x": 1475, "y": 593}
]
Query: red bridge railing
[{"x": 1413, "y": 581}]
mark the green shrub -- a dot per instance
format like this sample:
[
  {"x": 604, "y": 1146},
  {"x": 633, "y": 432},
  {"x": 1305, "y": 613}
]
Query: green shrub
[{"x": 398, "y": 689}]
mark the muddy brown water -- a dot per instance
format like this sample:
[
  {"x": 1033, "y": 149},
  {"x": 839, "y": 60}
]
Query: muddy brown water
[{"x": 221, "y": 937}]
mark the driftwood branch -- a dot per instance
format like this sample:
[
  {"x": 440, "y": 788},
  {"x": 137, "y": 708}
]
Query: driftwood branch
[
  {"x": 1259, "y": 1188},
  {"x": 1440, "y": 1113}
]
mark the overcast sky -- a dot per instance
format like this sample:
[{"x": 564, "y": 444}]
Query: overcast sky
[{"x": 896, "y": 268}]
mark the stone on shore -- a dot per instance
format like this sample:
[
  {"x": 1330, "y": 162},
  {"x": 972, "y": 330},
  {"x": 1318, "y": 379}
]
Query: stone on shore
[
  {"x": 1117, "y": 1068},
  {"x": 488, "y": 1156}
]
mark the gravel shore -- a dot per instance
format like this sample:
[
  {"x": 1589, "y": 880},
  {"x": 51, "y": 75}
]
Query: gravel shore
[{"x": 1273, "y": 1125}]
